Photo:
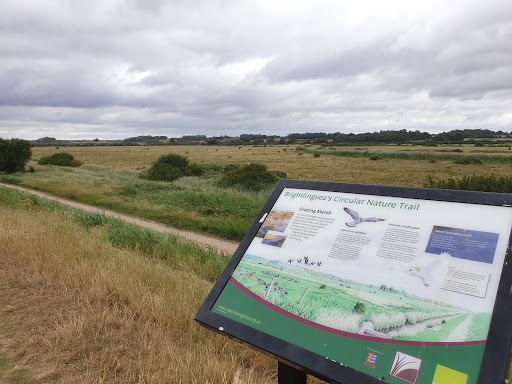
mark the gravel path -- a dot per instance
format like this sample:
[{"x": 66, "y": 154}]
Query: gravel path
[
  {"x": 222, "y": 245},
  {"x": 461, "y": 332}
]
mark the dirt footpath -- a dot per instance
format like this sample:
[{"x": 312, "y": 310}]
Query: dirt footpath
[{"x": 222, "y": 245}]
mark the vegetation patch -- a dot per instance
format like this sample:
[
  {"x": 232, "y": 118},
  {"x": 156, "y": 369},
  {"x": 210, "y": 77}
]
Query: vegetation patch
[
  {"x": 250, "y": 177},
  {"x": 171, "y": 167},
  {"x": 14, "y": 154},
  {"x": 61, "y": 159},
  {"x": 491, "y": 183},
  {"x": 448, "y": 155},
  {"x": 178, "y": 253},
  {"x": 79, "y": 310},
  {"x": 468, "y": 160}
]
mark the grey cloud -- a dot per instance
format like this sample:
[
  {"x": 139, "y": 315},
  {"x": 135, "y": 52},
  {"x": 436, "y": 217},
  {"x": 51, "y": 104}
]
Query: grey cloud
[{"x": 170, "y": 68}]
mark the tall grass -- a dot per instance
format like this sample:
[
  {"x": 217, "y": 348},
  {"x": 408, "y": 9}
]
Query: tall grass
[
  {"x": 109, "y": 179},
  {"x": 178, "y": 253},
  {"x": 76, "y": 309},
  {"x": 484, "y": 183},
  {"x": 192, "y": 203},
  {"x": 417, "y": 155}
]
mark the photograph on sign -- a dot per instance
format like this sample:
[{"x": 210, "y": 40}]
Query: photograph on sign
[{"x": 394, "y": 287}]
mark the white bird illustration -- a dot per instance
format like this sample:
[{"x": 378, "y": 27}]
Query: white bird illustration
[
  {"x": 428, "y": 272},
  {"x": 358, "y": 220}
]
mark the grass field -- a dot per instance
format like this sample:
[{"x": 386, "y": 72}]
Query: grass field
[
  {"x": 77, "y": 309},
  {"x": 95, "y": 305},
  {"x": 109, "y": 179},
  {"x": 297, "y": 164}
]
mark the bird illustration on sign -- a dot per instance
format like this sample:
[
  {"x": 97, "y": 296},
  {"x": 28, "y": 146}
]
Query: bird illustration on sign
[
  {"x": 428, "y": 272},
  {"x": 357, "y": 219}
]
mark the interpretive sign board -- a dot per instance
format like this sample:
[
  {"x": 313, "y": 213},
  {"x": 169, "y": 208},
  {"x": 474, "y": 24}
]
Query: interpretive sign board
[{"x": 360, "y": 283}]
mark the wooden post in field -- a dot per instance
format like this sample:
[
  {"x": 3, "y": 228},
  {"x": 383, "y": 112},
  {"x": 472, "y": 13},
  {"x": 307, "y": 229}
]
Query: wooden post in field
[
  {"x": 304, "y": 294},
  {"x": 269, "y": 288},
  {"x": 328, "y": 301}
]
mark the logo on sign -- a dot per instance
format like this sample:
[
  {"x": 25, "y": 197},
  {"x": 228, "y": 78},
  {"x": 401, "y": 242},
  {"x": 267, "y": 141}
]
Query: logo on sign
[
  {"x": 405, "y": 367},
  {"x": 371, "y": 359}
]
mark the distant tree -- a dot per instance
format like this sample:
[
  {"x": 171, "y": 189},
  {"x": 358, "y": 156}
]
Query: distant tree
[
  {"x": 46, "y": 139},
  {"x": 14, "y": 154},
  {"x": 144, "y": 139},
  {"x": 193, "y": 138},
  {"x": 96, "y": 140}
]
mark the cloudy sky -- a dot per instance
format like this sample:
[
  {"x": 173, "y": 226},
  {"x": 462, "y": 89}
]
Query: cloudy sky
[{"x": 114, "y": 69}]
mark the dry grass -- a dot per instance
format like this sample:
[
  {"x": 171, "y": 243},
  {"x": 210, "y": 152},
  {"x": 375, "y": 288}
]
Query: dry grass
[
  {"x": 411, "y": 173},
  {"x": 74, "y": 309}
]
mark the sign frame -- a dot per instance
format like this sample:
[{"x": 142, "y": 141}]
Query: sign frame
[{"x": 499, "y": 340}]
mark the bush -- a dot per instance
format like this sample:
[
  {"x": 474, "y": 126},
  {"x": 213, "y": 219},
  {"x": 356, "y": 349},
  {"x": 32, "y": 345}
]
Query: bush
[
  {"x": 491, "y": 183},
  {"x": 468, "y": 160},
  {"x": 280, "y": 174},
  {"x": 171, "y": 167},
  {"x": 359, "y": 308},
  {"x": 252, "y": 177},
  {"x": 316, "y": 155},
  {"x": 14, "y": 154},
  {"x": 61, "y": 159},
  {"x": 376, "y": 158}
]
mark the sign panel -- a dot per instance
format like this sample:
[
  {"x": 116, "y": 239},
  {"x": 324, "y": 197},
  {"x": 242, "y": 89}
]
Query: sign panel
[{"x": 392, "y": 286}]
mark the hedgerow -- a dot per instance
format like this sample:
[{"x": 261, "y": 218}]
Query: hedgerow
[{"x": 491, "y": 183}]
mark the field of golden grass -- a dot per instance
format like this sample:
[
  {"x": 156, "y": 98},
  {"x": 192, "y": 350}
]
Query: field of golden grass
[
  {"x": 296, "y": 164},
  {"x": 75, "y": 309}
]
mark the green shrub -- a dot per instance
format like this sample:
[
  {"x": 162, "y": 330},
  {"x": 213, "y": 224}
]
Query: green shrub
[
  {"x": 252, "y": 177},
  {"x": 279, "y": 174},
  {"x": 62, "y": 159},
  {"x": 10, "y": 179},
  {"x": 467, "y": 160},
  {"x": 376, "y": 158},
  {"x": 171, "y": 167},
  {"x": 230, "y": 167},
  {"x": 359, "y": 308},
  {"x": 14, "y": 154},
  {"x": 316, "y": 155},
  {"x": 491, "y": 183},
  {"x": 211, "y": 170}
]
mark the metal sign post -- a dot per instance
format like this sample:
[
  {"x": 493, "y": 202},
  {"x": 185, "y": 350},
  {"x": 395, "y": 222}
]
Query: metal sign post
[{"x": 290, "y": 375}]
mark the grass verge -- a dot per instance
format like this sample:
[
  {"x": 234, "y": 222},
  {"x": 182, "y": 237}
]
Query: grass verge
[
  {"x": 191, "y": 203},
  {"x": 74, "y": 308},
  {"x": 175, "y": 251}
]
